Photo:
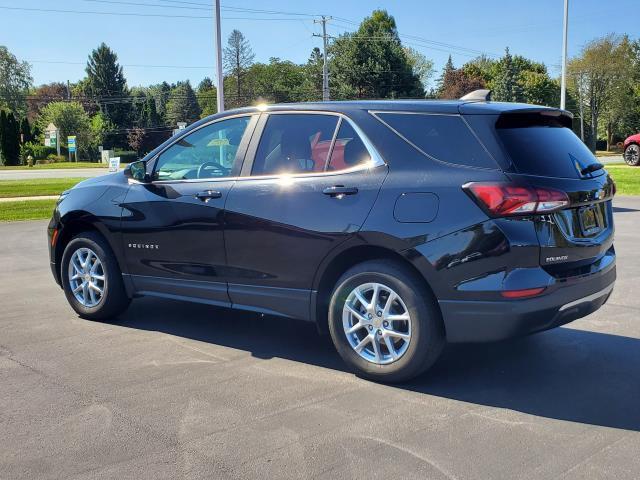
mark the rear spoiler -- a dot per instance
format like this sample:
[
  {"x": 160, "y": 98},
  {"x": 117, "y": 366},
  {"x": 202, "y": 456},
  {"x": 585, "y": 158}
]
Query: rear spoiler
[{"x": 531, "y": 117}]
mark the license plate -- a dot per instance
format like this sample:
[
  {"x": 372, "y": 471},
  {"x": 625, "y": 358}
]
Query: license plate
[{"x": 589, "y": 220}]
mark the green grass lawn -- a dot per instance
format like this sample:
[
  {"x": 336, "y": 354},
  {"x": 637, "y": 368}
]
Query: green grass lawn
[
  {"x": 55, "y": 165},
  {"x": 627, "y": 178},
  {"x": 606, "y": 153},
  {"x": 36, "y": 187},
  {"x": 26, "y": 210}
]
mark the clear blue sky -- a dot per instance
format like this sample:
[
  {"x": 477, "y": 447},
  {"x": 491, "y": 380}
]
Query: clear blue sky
[{"x": 530, "y": 28}]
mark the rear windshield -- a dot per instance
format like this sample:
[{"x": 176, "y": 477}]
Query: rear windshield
[
  {"x": 543, "y": 146},
  {"x": 444, "y": 137}
]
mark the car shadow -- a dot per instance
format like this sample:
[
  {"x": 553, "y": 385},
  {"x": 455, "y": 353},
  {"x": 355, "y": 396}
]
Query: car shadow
[
  {"x": 624, "y": 210},
  {"x": 565, "y": 374}
]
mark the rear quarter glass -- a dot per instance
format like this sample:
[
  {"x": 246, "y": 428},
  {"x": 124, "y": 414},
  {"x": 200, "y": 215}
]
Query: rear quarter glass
[
  {"x": 543, "y": 146},
  {"x": 446, "y": 138}
]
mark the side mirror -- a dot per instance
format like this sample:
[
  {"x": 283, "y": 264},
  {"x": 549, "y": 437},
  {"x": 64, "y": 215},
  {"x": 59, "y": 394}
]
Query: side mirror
[{"x": 137, "y": 171}]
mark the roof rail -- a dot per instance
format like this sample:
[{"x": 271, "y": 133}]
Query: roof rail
[{"x": 481, "y": 95}]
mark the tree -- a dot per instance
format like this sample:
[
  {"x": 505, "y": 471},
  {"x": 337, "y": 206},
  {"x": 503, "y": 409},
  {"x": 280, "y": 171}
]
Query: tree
[
  {"x": 3, "y": 134},
  {"x": 276, "y": 81},
  {"x": 422, "y": 67},
  {"x": 448, "y": 68},
  {"x": 183, "y": 105},
  {"x": 207, "y": 97},
  {"x": 160, "y": 93},
  {"x": 538, "y": 88},
  {"x": 71, "y": 119},
  {"x": 9, "y": 139},
  {"x": 50, "y": 92},
  {"x": 15, "y": 80},
  {"x": 456, "y": 83},
  {"x": 505, "y": 85},
  {"x": 371, "y": 62},
  {"x": 604, "y": 68},
  {"x": 135, "y": 138},
  {"x": 312, "y": 82},
  {"x": 100, "y": 131},
  {"x": 105, "y": 80},
  {"x": 238, "y": 57},
  {"x": 25, "y": 131}
]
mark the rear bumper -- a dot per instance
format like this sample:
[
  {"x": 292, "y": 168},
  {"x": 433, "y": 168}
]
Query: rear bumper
[{"x": 567, "y": 300}]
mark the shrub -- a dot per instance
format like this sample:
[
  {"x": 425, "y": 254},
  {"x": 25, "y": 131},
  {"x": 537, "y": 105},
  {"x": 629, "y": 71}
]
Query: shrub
[
  {"x": 53, "y": 158},
  {"x": 126, "y": 156},
  {"x": 36, "y": 150}
]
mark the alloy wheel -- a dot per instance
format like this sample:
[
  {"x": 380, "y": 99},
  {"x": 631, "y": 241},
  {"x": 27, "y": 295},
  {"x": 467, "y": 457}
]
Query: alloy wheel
[
  {"x": 632, "y": 155},
  {"x": 377, "y": 323},
  {"x": 87, "y": 279}
]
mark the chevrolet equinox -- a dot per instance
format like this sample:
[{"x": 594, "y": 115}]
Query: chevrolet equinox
[{"x": 396, "y": 226}]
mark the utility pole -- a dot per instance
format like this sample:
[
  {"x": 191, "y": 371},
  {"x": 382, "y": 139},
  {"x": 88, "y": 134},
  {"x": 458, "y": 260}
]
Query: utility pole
[
  {"x": 563, "y": 84},
  {"x": 325, "y": 68},
  {"x": 216, "y": 28}
]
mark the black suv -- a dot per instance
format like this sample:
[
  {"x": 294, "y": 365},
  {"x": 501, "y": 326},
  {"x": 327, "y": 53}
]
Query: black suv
[{"x": 394, "y": 225}]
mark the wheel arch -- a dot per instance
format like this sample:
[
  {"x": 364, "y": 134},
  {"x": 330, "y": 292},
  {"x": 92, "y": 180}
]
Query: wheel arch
[
  {"x": 72, "y": 225},
  {"x": 332, "y": 269}
]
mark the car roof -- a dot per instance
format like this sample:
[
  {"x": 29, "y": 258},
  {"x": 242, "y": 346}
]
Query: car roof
[
  {"x": 424, "y": 106},
  {"x": 452, "y": 107}
]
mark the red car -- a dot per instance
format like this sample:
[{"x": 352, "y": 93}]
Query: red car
[{"x": 632, "y": 150}]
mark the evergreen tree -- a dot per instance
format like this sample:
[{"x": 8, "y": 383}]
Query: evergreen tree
[
  {"x": 106, "y": 82},
  {"x": 506, "y": 86},
  {"x": 447, "y": 69},
  {"x": 3, "y": 135},
  {"x": 10, "y": 139},
  {"x": 182, "y": 105},
  {"x": 207, "y": 97},
  {"x": 313, "y": 75},
  {"x": 25, "y": 130},
  {"x": 151, "y": 119}
]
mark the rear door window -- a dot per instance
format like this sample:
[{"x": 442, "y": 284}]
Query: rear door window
[
  {"x": 294, "y": 143},
  {"x": 446, "y": 138},
  {"x": 348, "y": 150},
  {"x": 543, "y": 146}
]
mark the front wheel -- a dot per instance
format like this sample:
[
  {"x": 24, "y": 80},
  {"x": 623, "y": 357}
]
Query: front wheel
[
  {"x": 632, "y": 155},
  {"x": 91, "y": 278},
  {"x": 384, "y": 323}
]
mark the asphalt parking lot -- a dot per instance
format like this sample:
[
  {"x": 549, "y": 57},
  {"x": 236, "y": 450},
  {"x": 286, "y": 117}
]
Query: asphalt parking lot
[{"x": 174, "y": 390}]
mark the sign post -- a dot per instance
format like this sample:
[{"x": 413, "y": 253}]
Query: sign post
[
  {"x": 51, "y": 134},
  {"x": 71, "y": 144},
  {"x": 114, "y": 164}
]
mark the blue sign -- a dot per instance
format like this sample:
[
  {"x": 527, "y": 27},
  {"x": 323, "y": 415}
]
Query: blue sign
[{"x": 71, "y": 143}]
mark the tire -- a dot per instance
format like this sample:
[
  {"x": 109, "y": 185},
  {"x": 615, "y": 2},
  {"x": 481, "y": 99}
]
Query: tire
[
  {"x": 632, "y": 155},
  {"x": 114, "y": 299},
  {"x": 424, "y": 327}
]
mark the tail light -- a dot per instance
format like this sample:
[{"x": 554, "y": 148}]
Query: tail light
[{"x": 506, "y": 199}]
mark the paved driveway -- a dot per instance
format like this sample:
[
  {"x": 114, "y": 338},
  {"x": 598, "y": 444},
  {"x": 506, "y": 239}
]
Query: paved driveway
[{"x": 174, "y": 390}]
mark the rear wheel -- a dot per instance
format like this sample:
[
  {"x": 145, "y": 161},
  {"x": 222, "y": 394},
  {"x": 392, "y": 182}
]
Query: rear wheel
[
  {"x": 91, "y": 278},
  {"x": 632, "y": 155},
  {"x": 383, "y": 322}
]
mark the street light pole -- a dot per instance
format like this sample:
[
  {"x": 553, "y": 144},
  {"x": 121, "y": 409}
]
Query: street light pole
[
  {"x": 220, "y": 86},
  {"x": 563, "y": 84}
]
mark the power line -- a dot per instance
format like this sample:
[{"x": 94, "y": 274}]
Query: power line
[
  {"x": 63, "y": 62},
  {"x": 132, "y": 14}
]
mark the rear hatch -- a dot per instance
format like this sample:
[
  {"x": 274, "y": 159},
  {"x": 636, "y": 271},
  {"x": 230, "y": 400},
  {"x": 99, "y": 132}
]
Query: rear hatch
[{"x": 539, "y": 149}]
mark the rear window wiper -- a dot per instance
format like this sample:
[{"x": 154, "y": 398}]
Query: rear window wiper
[{"x": 592, "y": 167}]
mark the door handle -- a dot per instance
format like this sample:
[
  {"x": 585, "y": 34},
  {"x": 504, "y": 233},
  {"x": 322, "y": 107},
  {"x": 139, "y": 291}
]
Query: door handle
[
  {"x": 339, "y": 191},
  {"x": 207, "y": 195}
]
